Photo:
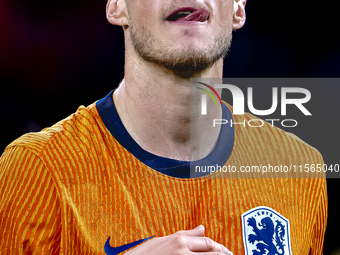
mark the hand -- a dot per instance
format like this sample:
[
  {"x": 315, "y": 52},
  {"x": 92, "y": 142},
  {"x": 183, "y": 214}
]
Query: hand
[{"x": 184, "y": 242}]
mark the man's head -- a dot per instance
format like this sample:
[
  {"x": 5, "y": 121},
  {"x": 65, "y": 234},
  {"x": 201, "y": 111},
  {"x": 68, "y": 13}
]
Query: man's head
[{"x": 180, "y": 35}]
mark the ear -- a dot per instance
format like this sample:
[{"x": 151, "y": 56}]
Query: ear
[
  {"x": 116, "y": 12},
  {"x": 239, "y": 16}
]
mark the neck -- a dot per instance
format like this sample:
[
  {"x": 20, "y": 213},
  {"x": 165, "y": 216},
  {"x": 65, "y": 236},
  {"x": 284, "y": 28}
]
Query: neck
[{"x": 162, "y": 112}]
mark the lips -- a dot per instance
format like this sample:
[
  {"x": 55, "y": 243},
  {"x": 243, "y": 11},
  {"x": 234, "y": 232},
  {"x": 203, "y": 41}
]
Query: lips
[{"x": 189, "y": 14}]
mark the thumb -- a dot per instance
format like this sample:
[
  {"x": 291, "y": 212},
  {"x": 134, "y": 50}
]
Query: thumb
[{"x": 198, "y": 231}]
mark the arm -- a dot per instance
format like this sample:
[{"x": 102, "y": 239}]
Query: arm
[
  {"x": 30, "y": 221},
  {"x": 320, "y": 223}
]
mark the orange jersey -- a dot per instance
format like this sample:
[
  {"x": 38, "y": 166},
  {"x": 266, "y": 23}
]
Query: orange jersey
[{"x": 68, "y": 188}]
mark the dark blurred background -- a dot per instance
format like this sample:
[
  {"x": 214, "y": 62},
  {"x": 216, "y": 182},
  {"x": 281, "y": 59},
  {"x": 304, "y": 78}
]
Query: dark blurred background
[{"x": 57, "y": 55}]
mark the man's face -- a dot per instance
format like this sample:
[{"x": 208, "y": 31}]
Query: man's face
[{"x": 162, "y": 32}]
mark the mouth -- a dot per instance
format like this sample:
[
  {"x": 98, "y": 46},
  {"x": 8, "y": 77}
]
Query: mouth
[{"x": 189, "y": 14}]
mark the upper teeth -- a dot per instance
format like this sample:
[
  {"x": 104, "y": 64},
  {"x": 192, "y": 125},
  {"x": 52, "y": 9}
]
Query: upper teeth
[{"x": 184, "y": 12}]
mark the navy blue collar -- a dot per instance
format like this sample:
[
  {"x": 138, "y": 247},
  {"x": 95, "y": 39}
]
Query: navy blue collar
[{"x": 171, "y": 167}]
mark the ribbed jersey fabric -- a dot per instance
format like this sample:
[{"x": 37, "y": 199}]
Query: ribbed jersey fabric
[{"x": 68, "y": 188}]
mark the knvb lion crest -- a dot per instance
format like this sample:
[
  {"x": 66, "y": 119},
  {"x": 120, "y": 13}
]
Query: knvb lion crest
[{"x": 265, "y": 232}]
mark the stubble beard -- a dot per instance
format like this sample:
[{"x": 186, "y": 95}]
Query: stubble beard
[{"x": 188, "y": 59}]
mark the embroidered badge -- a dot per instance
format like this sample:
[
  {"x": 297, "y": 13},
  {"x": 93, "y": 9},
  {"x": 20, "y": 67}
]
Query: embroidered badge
[{"x": 265, "y": 231}]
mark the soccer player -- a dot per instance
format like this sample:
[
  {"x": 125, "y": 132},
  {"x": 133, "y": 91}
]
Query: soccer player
[{"x": 115, "y": 176}]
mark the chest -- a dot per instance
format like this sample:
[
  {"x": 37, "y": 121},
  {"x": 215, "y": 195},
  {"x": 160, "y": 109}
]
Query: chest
[{"x": 130, "y": 208}]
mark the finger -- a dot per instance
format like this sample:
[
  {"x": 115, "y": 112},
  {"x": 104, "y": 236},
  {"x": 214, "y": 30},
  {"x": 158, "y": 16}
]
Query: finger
[
  {"x": 201, "y": 244},
  {"x": 198, "y": 231},
  {"x": 211, "y": 253}
]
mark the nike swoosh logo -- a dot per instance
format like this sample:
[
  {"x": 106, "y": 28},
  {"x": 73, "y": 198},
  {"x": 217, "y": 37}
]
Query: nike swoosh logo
[{"x": 116, "y": 250}]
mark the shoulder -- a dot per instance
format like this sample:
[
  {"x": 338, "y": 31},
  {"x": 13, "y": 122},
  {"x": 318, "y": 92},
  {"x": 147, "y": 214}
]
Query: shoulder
[
  {"x": 262, "y": 136},
  {"x": 74, "y": 127}
]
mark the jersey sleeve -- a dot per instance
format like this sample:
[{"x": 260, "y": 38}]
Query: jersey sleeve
[
  {"x": 30, "y": 219},
  {"x": 320, "y": 223}
]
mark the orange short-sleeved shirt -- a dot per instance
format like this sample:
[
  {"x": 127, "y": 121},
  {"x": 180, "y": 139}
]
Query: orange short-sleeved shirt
[{"x": 68, "y": 188}]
